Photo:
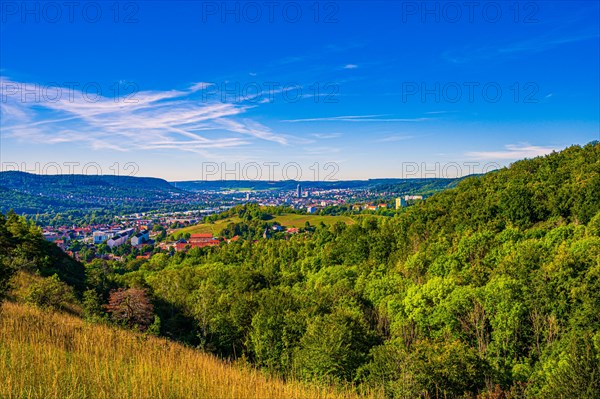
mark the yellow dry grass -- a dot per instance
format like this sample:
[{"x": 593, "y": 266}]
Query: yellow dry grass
[{"x": 57, "y": 356}]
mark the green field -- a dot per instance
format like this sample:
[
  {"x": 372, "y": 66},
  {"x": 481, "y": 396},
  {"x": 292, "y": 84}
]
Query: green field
[
  {"x": 214, "y": 228},
  {"x": 287, "y": 220}
]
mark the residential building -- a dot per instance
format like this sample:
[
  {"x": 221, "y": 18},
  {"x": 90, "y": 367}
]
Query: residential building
[
  {"x": 413, "y": 197},
  {"x": 202, "y": 240},
  {"x": 117, "y": 240},
  {"x": 101, "y": 236},
  {"x": 181, "y": 245},
  {"x": 140, "y": 238},
  {"x": 400, "y": 203}
]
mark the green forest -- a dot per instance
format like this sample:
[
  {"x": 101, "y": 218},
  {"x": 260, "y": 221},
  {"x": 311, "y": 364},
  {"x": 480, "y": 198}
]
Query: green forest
[{"x": 490, "y": 289}]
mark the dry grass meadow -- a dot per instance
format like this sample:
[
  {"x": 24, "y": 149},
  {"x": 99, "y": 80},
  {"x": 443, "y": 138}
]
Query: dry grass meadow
[{"x": 57, "y": 356}]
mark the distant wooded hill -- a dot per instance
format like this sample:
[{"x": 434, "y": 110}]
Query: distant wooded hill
[
  {"x": 408, "y": 186},
  {"x": 28, "y": 193}
]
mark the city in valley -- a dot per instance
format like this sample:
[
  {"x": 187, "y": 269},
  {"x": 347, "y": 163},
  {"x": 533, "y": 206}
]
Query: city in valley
[{"x": 140, "y": 235}]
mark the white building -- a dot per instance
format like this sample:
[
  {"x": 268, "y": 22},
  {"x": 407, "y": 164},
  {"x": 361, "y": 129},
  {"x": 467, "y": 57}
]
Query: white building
[
  {"x": 101, "y": 236},
  {"x": 140, "y": 238},
  {"x": 120, "y": 238},
  {"x": 117, "y": 240},
  {"x": 413, "y": 197}
]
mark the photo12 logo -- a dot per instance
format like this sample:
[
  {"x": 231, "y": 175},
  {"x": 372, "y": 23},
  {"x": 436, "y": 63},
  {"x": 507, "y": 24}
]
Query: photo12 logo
[
  {"x": 72, "y": 168},
  {"x": 269, "y": 92},
  {"x": 54, "y": 92},
  {"x": 452, "y": 12},
  {"x": 470, "y": 92},
  {"x": 447, "y": 170},
  {"x": 54, "y": 12},
  {"x": 269, "y": 171},
  {"x": 254, "y": 12}
]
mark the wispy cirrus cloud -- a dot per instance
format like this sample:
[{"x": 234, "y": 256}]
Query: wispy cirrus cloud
[
  {"x": 147, "y": 120},
  {"x": 356, "y": 118},
  {"x": 512, "y": 152},
  {"x": 326, "y": 136},
  {"x": 394, "y": 138}
]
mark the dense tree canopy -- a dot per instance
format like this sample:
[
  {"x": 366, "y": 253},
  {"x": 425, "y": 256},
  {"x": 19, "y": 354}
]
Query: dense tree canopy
[{"x": 491, "y": 288}]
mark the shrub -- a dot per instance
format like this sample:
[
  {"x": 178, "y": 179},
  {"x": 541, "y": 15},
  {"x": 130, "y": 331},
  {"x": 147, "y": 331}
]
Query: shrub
[
  {"x": 131, "y": 307},
  {"x": 92, "y": 306},
  {"x": 50, "y": 292}
]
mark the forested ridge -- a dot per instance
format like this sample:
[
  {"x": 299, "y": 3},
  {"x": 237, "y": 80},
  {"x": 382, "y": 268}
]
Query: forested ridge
[{"x": 490, "y": 290}]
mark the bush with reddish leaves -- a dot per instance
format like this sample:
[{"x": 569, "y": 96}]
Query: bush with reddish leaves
[{"x": 131, "y": 307}]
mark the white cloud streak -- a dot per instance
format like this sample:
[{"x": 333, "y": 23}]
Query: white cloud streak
[
  {"x": 148, "y": 120},
  {"x": 356, "y": 118}
]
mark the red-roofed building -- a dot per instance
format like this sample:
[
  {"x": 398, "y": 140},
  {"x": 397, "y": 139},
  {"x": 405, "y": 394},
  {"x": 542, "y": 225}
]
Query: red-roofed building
[
  {"x": 202, "y": 236},
  {"x": 180, "y": 246},
  {"x": 202, "y": 240}
]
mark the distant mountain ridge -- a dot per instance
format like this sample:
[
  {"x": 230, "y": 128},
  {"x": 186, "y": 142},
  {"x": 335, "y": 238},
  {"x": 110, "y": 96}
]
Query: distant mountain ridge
[
  {"x": 31, "y": 194},
  {"x": 408, "y": 185},
  {"x": 31, "y": 182}
]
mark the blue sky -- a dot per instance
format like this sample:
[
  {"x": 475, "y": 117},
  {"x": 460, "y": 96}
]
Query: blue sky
[{"x": 192, "y": 89}]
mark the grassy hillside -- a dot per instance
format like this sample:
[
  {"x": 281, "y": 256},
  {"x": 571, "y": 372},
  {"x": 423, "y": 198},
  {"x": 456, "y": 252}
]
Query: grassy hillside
[
  {"x": 52, "y": 355},
  {"x": 214, "y": 228},
  {"x": 288, "y": 220},
  {"x": 22, "y": 247}
]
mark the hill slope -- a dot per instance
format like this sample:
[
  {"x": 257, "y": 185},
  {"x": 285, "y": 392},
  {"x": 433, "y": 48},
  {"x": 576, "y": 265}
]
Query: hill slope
[
  {"x": 286, "y": 220},
  {"x": 71, "y": 183},
  {"x": 51, "y": 355},
  {"x": 23, "y": 248},
  {"x": 29, "y": 193}
]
